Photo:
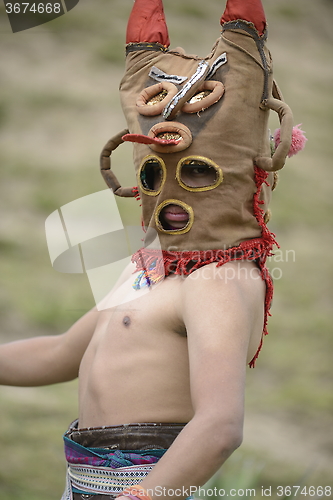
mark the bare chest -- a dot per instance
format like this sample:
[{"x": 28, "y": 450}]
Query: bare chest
[
  {"x": 148, "y": 319},
  {"x": 139, "y": 343}
]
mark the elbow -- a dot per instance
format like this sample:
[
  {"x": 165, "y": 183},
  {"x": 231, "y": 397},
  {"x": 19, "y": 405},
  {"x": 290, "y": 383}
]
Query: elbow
[
  {"x": 236, "y": 440},
  {"x": 230, "y": 437},
  {"x": 225, "y": 439},
  {"x": 222, "y": 436},
  {"x": 227, "y": 431},
  {"x": 227, "y": 436}
]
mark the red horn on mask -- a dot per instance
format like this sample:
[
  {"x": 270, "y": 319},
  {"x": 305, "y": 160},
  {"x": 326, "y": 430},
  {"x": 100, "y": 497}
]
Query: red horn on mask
[
  {"x": 147, "y": 23},
  {"x": 247, "y": 10}
]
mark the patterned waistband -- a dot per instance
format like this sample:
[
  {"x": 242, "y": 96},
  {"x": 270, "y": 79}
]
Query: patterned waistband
[
  {"x": 103, "y": 480},
  {"x": 108, "y": 470}
]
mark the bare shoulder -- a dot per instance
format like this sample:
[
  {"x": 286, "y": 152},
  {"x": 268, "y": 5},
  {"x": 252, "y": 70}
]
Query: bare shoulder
[
  {"x": 223, "y": 311},
  {"x": 225, "y": 282},
  {"x": 225, "y": 306}
]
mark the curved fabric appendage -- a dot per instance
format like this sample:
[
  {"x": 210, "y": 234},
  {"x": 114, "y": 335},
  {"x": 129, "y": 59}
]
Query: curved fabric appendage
[
  {"x": 105, "y": 166},
  {"x": 247, "y": 10},
  {"x": 286, "y": 120},
  {"x": 147, "y": 23}
]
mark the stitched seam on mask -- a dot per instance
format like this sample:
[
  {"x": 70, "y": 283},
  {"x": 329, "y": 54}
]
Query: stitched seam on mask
[
  {"x": 233, "y": 44},
  {"x": 259, "y": 41}
]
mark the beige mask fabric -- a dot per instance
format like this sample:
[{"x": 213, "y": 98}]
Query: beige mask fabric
[
  {"x": 202, "y": 151},
  {"x": 225, "y": 139}
]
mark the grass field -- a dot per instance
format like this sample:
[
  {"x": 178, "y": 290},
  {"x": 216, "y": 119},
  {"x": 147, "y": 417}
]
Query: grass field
[{"x": 58, "y": 106}]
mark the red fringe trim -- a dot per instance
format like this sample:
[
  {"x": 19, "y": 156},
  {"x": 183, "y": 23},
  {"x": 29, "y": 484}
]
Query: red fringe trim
[
  {"x": 165, "y": 263},
  {"x": 157, "y": 264},
  {"x": 260, "y": 177},
  {"x": 268, "y": 301},
  {"x": 136, "y": 194}
]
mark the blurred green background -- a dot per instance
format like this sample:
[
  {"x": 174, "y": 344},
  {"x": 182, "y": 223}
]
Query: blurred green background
[{"x": 58, "y": 107}]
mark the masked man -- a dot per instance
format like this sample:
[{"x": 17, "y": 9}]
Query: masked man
[{"x": 162, "y": 371}]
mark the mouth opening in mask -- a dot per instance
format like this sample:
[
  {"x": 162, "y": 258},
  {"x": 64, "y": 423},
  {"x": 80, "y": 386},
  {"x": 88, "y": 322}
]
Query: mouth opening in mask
[{"x": 174, "y": 216}]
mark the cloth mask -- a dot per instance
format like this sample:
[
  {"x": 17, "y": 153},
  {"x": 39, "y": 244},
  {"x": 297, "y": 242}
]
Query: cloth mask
[{"x": 203, "y": 155}]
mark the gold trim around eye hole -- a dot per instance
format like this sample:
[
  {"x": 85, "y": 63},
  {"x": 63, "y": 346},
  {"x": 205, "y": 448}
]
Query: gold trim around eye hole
[
  {"x": 186, "y": 207},
  {"x": 208, "y": 162},
  {"x": 151, "y": 192}
]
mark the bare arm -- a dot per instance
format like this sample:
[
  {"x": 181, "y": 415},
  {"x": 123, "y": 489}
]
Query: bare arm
[
  {"x": 221, "y": 316},
  {"x": 50, "y": 359}
]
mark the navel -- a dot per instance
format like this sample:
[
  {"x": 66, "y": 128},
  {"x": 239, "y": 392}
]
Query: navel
[{"x": 126, "y": 321}]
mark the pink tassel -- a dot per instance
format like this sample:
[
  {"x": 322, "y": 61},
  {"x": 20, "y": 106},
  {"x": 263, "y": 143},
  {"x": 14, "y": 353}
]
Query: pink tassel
[{"x": 298, "y": 140}]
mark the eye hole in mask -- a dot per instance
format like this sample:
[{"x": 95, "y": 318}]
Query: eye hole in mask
[
  {"x": 153, "y": 100},
  {"x": 152, "y": 175},
  {"x": 197, "y": 173}
]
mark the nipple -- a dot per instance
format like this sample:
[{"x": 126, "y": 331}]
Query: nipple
[{"x": 127, "y": 321}]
